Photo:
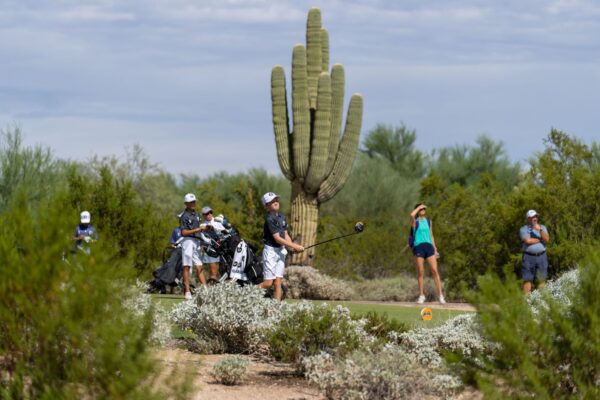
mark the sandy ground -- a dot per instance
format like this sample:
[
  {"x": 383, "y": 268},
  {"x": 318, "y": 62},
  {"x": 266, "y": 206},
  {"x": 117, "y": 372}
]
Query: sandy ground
[{"x": 263, "y": 380}]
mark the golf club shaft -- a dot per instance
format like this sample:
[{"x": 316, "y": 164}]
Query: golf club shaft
[{"x": 326, "y": 241}]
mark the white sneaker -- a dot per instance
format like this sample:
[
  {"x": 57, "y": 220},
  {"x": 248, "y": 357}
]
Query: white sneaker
[
  {"x": 421, "y": 299},
  {"x": 188, "y": 295},
  {"x": 442, "y": 300}
]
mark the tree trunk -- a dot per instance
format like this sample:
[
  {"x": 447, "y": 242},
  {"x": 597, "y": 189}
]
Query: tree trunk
[{"x": 304, "y": 222}]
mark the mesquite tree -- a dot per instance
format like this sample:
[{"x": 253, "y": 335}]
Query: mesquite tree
[{"x": 312, "y": 153}]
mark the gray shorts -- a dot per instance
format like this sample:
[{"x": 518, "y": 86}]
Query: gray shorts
[{"x": 534, "y": 267}]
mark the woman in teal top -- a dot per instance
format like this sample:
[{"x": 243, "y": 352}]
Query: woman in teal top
[{"x": 424, "y": 249}]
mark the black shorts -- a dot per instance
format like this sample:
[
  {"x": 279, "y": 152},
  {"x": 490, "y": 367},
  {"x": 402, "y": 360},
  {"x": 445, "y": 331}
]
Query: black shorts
[{"x": 424, "y": 250}]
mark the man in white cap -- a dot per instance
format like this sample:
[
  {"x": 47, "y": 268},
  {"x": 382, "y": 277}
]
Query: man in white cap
[
  {"x": 535, "y": 261},
  {"x": 85, "y": 232},
  {"x": 189, "y": 222},
  {"x": 276, "y": 239}
]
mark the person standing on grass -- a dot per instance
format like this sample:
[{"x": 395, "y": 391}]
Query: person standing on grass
[
  {"x": 424, "y": 249},
  {"x": 276, "y": 239},
  {"x": 217, "y": 229},
  {"x": 535, "y": 261},
  {"x": 189, "y": 222}
]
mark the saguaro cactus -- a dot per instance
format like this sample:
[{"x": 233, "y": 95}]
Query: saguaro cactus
[{"x": 313, "y": 155}]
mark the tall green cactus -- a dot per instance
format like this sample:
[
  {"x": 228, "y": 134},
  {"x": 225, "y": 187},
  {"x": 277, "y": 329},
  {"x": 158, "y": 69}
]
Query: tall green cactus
[{"x": 313, "y": 155}]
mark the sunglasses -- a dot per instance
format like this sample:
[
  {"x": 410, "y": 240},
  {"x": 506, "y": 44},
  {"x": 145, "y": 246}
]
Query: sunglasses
[{"x": 210, "y": 212}]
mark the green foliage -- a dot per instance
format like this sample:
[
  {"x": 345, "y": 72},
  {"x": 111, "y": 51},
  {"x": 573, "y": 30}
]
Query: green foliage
[
  {"x": 548, "y": 352},
  {"x": 380, "y": 325},
  {"x": 307, "y": 331},
  {"x": 396, "y": 145},
  {"x": 65, "y": 332},
  {"x": 466, "y": 165},
  {"x": 25, "y": 167}
]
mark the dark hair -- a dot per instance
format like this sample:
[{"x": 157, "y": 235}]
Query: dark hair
[{"x": 417, "y": 205}]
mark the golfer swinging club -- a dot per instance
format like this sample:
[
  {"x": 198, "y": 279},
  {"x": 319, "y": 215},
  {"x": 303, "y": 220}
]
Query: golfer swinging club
[{"x": 276, "y": 239}]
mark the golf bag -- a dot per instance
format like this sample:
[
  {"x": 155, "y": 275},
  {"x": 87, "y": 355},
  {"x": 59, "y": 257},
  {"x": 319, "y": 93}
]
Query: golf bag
[
  {"x": 239, "y": 259},
  {"x": 168, "y": 274}
]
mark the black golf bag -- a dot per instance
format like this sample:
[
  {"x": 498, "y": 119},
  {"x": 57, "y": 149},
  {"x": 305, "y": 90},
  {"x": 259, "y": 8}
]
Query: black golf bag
[
  {"x": 239, "y": 258},
  {"x": 168, "y": 274}
]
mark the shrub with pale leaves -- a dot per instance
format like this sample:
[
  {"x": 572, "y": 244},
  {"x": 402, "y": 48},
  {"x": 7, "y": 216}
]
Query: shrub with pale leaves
[
  {"x": 229, "y": 370},
  {"x": 308, "y": 283}
]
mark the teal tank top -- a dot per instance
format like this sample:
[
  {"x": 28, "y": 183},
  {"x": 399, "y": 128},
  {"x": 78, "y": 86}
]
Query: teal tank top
[{"x": 423, "y": 233}]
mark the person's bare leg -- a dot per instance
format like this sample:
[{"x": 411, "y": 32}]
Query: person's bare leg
[
  {"x": 526, "y": 287},
  {"x": 420, "y": 272},
  {"x": 200, "y": 272},
  {"x": 278, "y": 291},
  {"x": 266, "y": 284},
  {"x": 214, "y": 271},
  {"x": 432, "y": 261},
  {"x": 186, "y": 278}
]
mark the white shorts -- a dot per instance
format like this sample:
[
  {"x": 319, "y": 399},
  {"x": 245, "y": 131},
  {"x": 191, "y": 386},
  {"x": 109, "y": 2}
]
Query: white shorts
[
  {"x": 274, "y": 262},
  {"x": 190, "y": 253}
]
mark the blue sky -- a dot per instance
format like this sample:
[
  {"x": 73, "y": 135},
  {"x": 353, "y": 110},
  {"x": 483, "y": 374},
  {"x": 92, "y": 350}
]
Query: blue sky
[{"x": 190, "y": 80}]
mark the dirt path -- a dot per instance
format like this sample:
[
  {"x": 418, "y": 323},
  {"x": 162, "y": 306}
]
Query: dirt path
[
  {"x": 432, "y": 305},
  {"x": 263, "y": 381}
]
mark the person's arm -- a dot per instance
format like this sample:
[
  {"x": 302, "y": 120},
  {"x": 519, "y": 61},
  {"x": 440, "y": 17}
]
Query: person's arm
[
  {"x": 543, "y": 232},
  {"x": 527, "y": 238},
  {"x": 414, "y": 213},
  {"x": 190, "y": 232},
  {"x": 287, "y": 241},
  {"x": 77, "y": 237},
  {"x": 431, "y": 236}
]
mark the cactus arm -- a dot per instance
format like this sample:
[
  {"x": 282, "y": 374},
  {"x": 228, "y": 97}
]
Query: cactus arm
[
  {"x": 337, "y": 110},
  {"x": 320, "y": 140},
  {"x": 281, "y": 121},
  {"x": 324, "y": 50},
  {"x": 346, "y": 152},
  {"x": 313, "y": 53},
  {"x": 301, "y": 112}
]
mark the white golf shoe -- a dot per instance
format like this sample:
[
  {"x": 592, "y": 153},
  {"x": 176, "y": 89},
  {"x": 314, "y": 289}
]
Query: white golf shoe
[
  {"x": 421, "y": 299},
  {"x": 442, "y": 300},
  {"x": 188, "y": 295}
]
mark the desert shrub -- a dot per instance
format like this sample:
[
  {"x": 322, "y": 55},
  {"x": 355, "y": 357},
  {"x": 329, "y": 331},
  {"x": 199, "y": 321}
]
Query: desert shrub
[
  {"x": 549, "y": 343},
  {"x": 399, "y": 288},
  {"x": 308, "y": 329},
  {"x": 458, "y": 334},
  {"x": 387, "y": 374},
  {"x": 239, "y": 316},
  {"x": 141, "y": 304},
  {"x": 65, "y": 332},
  {"x": 380, "y": 325},
  {"x": 309, "y": 283},
  {"x": 229, "y": 370}
]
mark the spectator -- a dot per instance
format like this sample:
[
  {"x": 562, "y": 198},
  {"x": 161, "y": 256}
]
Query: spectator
[
  {"x": 216, "y": 228},
  {"x": 535, "y": 260},
  {"x": 424, "y": 249},
  {"x": 85, "y": 233},
  {"x": 189, "y": 223}
]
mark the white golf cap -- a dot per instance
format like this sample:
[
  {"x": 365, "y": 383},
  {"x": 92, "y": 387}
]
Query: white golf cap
[
  {"x": 531, "y": 213},
  {"x": 206, "y": 210},
  {"x": 268, "y": 197},
  {"x": 189, "y": 198},
  {"x": 85, "y": 217}
]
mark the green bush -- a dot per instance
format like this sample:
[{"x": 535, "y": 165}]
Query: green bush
[
  {"x": 308, "y": 330},
  {"x": 65, "y": 332},
  {"x": 380, "y": 325},
  {"x": 399, "y": 288},
  {"x": 549, "y": 344}
]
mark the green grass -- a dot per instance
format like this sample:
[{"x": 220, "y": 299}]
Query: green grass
[{"x": 408, "y": 315}]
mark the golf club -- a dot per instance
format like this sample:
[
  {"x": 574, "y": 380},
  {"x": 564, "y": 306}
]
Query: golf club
[{"x": 358, "y": 228}]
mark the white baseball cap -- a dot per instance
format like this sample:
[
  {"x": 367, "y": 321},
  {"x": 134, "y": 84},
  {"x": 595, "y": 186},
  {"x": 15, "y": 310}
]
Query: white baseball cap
[
  {"x": 531, "y": 213},
  {"x": 85, "y": 217},
  {"x": 206, "y": 210},
  {"x": 189, "y": 198},
  {"x": 268, "y": 197}
]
